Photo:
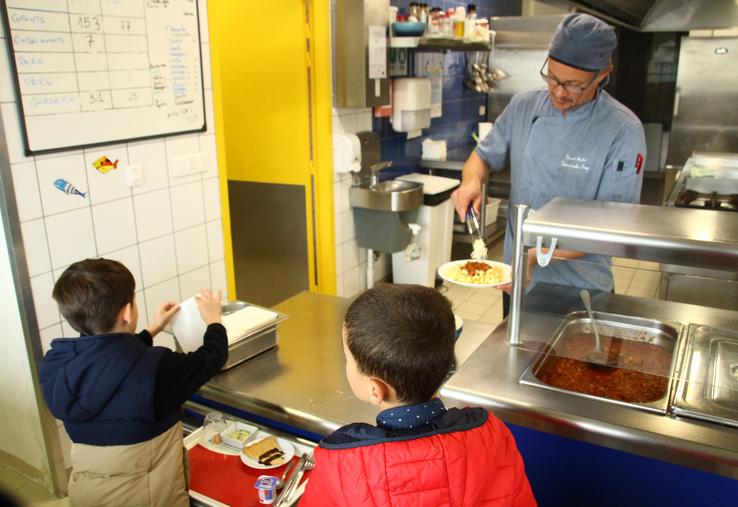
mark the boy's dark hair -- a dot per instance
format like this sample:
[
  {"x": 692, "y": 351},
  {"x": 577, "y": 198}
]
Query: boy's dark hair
[
  {"x": 91, "y": 293},
  {"x": 404, "y": 335}
]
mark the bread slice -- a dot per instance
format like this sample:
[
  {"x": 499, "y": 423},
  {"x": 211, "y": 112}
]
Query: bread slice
[{"x": 265, "y": 451}]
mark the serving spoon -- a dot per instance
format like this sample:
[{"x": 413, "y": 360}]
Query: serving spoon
[{"x": 597, "y": 356}]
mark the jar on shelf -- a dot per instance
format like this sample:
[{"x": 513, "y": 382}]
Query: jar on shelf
[
  {"x": 414, "y": 12},
  {"x": 459, "y": 22}
]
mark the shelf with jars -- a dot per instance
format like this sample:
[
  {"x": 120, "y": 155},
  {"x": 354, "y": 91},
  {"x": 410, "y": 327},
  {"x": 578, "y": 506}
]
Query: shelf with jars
[{"x": 457, "y": 29}]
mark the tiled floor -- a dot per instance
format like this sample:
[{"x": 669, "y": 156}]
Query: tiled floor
[
  {"x": 26, "y": 493},
  {"x": 632, "y": 277}
]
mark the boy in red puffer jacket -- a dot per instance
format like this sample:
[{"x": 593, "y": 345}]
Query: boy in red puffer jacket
[{"x": 399, "y": 346}]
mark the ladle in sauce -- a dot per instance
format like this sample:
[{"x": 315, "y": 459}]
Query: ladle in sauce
[{"x": 597, "y": 356}]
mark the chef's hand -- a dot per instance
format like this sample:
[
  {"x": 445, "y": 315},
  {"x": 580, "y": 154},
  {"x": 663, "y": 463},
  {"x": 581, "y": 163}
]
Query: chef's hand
[
  {"x": 468, "y": 193},
  {"x": 164, "y": 314},
  {"x": 209, "y": 306}
]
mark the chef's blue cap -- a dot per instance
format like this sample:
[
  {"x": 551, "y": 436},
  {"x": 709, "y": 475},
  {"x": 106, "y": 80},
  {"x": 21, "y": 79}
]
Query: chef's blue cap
[{"x": 583, "y": 42}]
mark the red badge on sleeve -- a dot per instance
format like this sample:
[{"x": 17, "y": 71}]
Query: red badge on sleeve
[{"x": 639, "y": 163}]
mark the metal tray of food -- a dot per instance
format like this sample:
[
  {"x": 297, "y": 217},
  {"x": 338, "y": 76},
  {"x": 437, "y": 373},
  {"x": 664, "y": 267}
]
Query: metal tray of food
[
  {"x": 708, "y": 386},
  {"x": 256, "y": 341},
  {"x": 643, "y": 351}
]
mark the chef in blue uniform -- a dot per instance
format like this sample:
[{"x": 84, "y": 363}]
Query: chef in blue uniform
[{"x": 571, "y": 140}]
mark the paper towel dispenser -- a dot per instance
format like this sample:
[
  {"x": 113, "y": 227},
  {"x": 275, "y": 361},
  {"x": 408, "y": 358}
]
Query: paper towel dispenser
[{"x": 411, "y": 104}]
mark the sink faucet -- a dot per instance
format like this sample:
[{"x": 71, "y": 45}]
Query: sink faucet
[{"x": 374, "y": 171}]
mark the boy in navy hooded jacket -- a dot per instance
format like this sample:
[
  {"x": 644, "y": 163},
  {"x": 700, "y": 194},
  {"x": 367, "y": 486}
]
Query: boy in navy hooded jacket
[{"x": 119, "y": 396}]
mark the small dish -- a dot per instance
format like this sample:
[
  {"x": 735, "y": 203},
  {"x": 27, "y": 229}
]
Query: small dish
[
  {"x": 446, "y": 269},
  {"x": 284, "y": 445},
  {"x": 237, "y": 433},
  {"x": 408, "y": 28}
]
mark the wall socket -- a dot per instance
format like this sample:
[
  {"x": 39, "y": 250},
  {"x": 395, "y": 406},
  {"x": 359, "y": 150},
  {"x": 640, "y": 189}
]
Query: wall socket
[{"x": 186, "y": 165}]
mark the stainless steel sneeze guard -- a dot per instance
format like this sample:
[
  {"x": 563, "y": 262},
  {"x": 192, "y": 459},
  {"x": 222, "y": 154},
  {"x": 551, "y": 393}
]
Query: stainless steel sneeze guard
[{"x": 687, "y": 237}]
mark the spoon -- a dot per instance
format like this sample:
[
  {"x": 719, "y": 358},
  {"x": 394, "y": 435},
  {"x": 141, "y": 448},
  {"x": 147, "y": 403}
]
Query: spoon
[{"x": 597, "y": 356}]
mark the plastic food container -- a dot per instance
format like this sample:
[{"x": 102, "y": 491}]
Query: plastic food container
[
  {"x": 237, "y": 433},
  {"x": 266, "y": 485}
]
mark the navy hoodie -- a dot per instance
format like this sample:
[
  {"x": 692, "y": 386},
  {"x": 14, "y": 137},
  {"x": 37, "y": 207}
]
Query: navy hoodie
[{"x": 103, "y": 388}]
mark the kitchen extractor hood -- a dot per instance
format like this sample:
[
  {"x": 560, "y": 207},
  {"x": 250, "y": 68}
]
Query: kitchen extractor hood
[{"x": 664, "y": 15}]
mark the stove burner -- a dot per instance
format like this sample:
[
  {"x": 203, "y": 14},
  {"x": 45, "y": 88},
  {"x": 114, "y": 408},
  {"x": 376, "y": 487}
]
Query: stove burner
[{"x": 713, "y": 201}]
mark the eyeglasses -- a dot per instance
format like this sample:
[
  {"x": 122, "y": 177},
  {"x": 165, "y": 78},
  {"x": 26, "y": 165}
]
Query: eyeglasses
[{"x": 569, "y": 87}]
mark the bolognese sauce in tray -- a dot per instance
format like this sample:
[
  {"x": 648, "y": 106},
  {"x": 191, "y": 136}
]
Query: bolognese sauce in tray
[
  {"x": 640, "y": 357},
  {"x": 640, "y": 374}
]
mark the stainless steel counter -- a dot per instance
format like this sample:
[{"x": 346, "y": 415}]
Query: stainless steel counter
[
  {"x": 302, "y": 382},
  {"x": 490, "y": 379}
]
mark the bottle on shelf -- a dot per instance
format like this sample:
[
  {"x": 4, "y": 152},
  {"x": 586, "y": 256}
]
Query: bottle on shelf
[{"x": 459, "y": 22}]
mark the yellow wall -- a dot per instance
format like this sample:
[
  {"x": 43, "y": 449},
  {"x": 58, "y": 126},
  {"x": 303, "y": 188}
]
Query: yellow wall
[{"x": 263, "y": 104}]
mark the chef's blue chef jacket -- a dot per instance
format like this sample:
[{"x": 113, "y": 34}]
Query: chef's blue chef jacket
[{"x": 595, "y": 152}]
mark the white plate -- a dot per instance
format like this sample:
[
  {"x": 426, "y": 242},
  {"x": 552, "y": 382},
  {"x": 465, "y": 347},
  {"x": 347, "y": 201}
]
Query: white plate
[
  {"x": 507, "y": 270},
  {"x": 287, "y": 448}
]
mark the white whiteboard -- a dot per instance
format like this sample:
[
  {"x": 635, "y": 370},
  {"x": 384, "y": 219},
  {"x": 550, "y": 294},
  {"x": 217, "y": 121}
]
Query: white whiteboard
[{"x": 98, "y": 71}]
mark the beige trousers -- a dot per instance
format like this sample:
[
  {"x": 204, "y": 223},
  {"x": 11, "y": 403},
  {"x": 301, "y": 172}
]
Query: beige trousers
[{"x": 150, "y": 474}]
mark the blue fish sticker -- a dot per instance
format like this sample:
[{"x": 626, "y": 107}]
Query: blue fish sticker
[{"x": 68, "y": 188}]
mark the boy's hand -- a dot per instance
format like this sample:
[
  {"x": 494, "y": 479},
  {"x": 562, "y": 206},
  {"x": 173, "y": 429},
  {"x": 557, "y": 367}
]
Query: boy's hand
[
  {"x": 164, "y": 314},
  {"x": 209, "y": 306}
]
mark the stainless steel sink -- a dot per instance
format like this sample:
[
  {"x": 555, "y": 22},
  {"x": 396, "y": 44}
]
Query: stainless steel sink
[{"x": 391, "y": 195}]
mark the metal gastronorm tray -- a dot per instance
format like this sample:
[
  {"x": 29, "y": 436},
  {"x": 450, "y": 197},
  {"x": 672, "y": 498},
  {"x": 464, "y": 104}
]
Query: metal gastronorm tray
[{"x": 626, "y": 327}]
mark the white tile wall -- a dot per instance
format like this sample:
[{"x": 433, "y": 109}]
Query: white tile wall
[
  {"x": 211, "y": 196},
  {"x": 153, "y": 214},
  {"x": 191, "y": 283},
  {"x": 35, "y": 246},
  {"x": 215, "y": 240},
  {"x": 115, "y": 226},
  {"x": 26, "y": 185},
  {"x": 158, "y": 260},
  {"x": 46, "y": 310},
  {"x": 188, "y": 206},
  {"x": 191, "y": 245},
  {"x": 153, "y": 159},
  {"x": 70, "y": 236},
  {"x": 350, "y": 259},
  {"x": 208, "y": 146}
]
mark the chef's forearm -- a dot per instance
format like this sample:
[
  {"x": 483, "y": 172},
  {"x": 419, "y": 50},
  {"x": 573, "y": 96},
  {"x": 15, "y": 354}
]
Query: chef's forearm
[{"x": 475, "y": 169}]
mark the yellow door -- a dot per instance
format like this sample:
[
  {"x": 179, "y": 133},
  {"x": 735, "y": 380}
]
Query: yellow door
[{"x": 271, "y": 80}]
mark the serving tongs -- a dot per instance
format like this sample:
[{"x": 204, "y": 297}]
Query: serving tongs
[{"x": 472, "y": 225}]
